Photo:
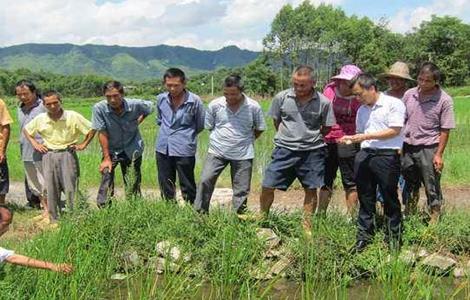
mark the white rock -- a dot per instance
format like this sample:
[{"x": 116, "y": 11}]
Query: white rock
[
  {"x": 118, "y": 276},
  {"x": 439, "y": 262},
  {"x": 269, "y": 237}
]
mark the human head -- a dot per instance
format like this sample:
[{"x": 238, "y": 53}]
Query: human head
[
  {"x": 397, "y": 76},
  {"x": 6, "y": 217},
  {"x": 343, "y": 79},
  {"x": 114, "y": 92},
  {"x": 303, "y": 81},
  {"x": 26, "y": 92},
  {"x": 174, "y": 80},
  {"x": 429, "y": 76},
  {"x": 233, "y": 89},
  {"x": 364, "y": 86},
  {"x": 52, "y": 102}
]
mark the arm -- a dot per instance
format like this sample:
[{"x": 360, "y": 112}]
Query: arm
[
  {"x": 6, "y": 138},
  {"x": 37, "y": 146},
  {"x": 146, "y": 110},
  {"x": 40, "y": 264},
  {"x": 379, "y": 135},
  {"x": 438, "y": 160},
  {"x": 276, "y": 123},
  {"x": 82, "y": 146},
  {"x": 104, "y": 143},
  {"x": 200, "y": 117}
]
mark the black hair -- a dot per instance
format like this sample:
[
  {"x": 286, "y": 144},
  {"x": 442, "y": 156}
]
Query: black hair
[
  {"x": 27, "y": 83},
  {"x": 113, "y": 84},
  {"x": 234, "y": 80},
  {"x": 305, "y": 69},
  {"x": 431, "y": 67},
  {"x": 51, "y": 93},
  {"x": 364, "y": 80},
  {"x": 174, "y": 72}
]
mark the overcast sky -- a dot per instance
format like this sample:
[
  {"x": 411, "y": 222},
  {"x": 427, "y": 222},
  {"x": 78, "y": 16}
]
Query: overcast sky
[{"x": 202, "y": 24}]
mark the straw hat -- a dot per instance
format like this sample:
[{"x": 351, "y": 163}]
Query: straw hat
[
  {"x": 398, "y": 69},
  {"x": 347, "y": 72}
]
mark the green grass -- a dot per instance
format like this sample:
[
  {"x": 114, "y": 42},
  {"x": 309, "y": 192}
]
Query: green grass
[
  {"x": 455, "y": 173},
  {"x": 224, "y": 250}
]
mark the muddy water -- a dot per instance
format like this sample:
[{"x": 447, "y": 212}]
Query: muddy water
[{"x": 289, "y": 289}]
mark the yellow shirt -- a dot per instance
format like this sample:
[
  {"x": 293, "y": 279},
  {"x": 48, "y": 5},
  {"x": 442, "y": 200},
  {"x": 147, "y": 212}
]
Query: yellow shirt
[
  {"x": 60, "y": 134},
  {"x": 5, "y": 118}
]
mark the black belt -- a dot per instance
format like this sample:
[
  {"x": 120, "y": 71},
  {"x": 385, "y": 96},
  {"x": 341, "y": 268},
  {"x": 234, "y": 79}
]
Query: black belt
[
  {"x": 59, "y": 150},
  {"x": 378, "y": 151}
]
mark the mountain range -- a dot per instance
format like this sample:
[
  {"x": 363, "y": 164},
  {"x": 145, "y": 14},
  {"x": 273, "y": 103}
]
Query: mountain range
[{"x": 122, "y": 63}]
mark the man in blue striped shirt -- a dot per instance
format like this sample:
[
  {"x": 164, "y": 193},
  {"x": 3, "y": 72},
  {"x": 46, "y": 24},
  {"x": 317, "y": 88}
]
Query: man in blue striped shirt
[
  {"x": 180, "y": 115},
  {"x": 234, "y": 121}
]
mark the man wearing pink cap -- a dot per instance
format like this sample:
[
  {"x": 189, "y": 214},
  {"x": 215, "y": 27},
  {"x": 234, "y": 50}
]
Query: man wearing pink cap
[{"x": 345, "y": 106}]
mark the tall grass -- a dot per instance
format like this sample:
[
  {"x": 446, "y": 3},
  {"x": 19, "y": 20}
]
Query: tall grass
[
  {"x": 456, "y": 171},
  {"x": 224, "y": 251}
]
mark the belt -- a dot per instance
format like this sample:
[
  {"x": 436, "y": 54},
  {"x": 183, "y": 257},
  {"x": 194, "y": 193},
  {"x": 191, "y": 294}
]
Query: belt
[
  {"x": 59, "y": 150},
  {"x": 378, "y": 151},
  {"x": 419, "y": 147}
]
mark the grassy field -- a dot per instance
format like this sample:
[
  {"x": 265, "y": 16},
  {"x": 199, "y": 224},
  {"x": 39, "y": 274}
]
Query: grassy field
[
  {"x": 224, "y": 252},
  {"x": 455, "y": 173}
]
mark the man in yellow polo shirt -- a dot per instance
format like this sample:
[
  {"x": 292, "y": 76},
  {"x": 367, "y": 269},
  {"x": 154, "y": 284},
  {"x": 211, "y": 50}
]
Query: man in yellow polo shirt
[
  {"x": 5, "y": 121},
  {"x": 60, "y": 130}
]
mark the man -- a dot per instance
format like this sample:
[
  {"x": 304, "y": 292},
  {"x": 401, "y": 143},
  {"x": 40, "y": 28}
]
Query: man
[
  {"x": 31, "y": 106},
  {"x": 429, "y": 119},
  {"x": 180, "y": 115},
  {"x": 60, "y": 130},
  {"x": 6, "y": 217},
  {"x": 302, "y": 116},
  {"x": 234, "y": 122},
  {"x": 117, "y": 121},
  {"x": 378, "y": 125},
  {"x": 5, "y": 121}
]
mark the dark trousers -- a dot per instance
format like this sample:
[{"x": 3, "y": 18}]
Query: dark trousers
[
  {"x": 417, "y": 166},
  {"x": 131, "y": 182},
  {"x": 168, "y": 166},
  {"x": 380, "y": 168},
  {"x": 33, "y": 200}
]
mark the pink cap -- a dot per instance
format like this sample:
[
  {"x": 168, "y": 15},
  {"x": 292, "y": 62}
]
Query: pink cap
[{"x": 348, "y": 72}]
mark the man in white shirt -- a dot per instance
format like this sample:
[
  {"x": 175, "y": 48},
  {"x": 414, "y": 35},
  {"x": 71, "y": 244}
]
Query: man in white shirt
[{"x": 378, "y": 125}]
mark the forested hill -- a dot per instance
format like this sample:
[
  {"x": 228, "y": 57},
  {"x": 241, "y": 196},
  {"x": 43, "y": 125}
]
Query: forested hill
[{"x": 124, "y": 63}]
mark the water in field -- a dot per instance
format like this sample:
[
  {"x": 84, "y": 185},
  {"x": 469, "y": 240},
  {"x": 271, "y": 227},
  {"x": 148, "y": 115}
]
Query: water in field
[{"x": 285, "y": 289}]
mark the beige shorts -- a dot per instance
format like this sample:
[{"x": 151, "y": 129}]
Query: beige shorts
[{"x": 35, "y": 177}]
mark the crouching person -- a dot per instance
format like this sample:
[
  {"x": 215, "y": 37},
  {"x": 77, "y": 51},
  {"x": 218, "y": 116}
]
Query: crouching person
[
  {"x": 6, "y": 217},
  {"x": 234, "y": 121},
  {"x": 60, "y": 130}
]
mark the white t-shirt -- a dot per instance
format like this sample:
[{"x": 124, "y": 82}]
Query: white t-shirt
[{"x": 4, "y": 254}]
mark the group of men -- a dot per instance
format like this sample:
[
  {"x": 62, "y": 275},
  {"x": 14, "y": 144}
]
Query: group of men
[{"x": 315, "y": 134}]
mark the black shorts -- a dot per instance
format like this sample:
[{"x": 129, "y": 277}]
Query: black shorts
[
  {"x": 4, "y": 178},
  {"x": 342, "y": 157}
]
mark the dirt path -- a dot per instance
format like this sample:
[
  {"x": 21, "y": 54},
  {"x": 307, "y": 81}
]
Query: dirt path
[{"x": 456, "y": 198}]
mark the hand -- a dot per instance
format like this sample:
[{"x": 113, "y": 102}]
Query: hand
[
  {"x": 438, "y": 163},
  {"x": 106, "y": 163},
  {"x": 140, "y": 119},
  {"x": 345, "y": 140},
  {"x": 40, "y": 147},
  {"x": 78, "y": 147},
  {"x": 2, "y": 157},
  {"x": 62, "y": 268}
]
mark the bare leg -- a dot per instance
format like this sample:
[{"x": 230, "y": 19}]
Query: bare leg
[
  {"x": 351, "y": 202},
  {"x": 325, "y": 197},
  {"x": 45, "y": 212},
  {"x": 266, "y": 199},
  {"x": 310, "y": 205}
]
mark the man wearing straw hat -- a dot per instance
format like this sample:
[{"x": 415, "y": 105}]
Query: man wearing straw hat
[
  {"x": 397, "y": 78},
  {"x": 429, "y": 119}
]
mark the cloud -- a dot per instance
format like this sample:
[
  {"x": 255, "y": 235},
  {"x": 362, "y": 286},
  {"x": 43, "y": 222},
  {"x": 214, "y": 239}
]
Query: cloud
[
  {"x": 408, "y": 18},
  {"x": 204, "y": 24}
]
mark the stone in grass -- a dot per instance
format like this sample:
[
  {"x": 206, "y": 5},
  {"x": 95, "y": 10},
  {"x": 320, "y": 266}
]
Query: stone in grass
[
  {"x": 439, "y": 263},
  {"x": 118, "y": 276},
  {"x": 280, "y": 266},
  {"x": 166, "y": 249},
  {"x": 131, "y": 259},
  {"x": 408, "y": 257},
  {"x": 422, "y": 253},
  {"x": 269, "y": 237},
  {"x": 459, "y": 272},
  {"x": 162, "y": 265}
]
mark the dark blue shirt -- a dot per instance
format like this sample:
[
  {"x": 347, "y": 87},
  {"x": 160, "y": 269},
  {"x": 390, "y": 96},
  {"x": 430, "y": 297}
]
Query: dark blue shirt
[
  {"x": 122, "y": 130},
  {"x": 24, "y": 117},
  {"x": 178, "y": 129}
]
